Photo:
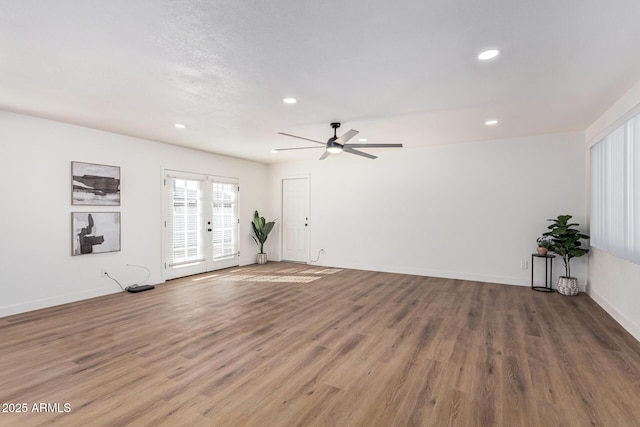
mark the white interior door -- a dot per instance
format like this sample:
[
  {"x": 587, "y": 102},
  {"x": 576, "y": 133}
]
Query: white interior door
[
  {"x": 200, "y": 224},
  {"x": 295, "y": 219}
]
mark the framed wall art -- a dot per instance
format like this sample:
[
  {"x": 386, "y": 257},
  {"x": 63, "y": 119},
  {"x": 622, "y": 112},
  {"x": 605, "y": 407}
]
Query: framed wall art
[
  {"x": 95, "y": 232},
  {"x": 95, "y": 185}
]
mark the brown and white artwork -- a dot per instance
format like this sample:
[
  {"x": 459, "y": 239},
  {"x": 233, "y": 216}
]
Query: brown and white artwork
[
  {"x": 95, "y": 185},
  {"x": 95, "y": 232}
]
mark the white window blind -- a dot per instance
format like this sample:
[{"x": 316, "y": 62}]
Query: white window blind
[
  {"x": 225, "y": 219},
  {"x": 615, "y": 192},
  {"x": 184, "y": 212}
]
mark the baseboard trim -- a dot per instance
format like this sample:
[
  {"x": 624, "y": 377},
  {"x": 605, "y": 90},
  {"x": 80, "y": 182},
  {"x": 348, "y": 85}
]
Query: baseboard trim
[
  {"x": 38, "y": 304},
  {"x": 503, "y": 280},
  {"x": 24, "y": 307},
  {"x": 627, "y": 324}
]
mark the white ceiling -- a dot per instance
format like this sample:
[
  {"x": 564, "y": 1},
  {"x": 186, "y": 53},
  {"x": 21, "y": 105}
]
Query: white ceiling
[{"x": 398, "y": 71}]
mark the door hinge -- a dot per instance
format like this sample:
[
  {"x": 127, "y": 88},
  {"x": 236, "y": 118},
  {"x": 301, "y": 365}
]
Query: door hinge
[{"x": 238, "y": 188}]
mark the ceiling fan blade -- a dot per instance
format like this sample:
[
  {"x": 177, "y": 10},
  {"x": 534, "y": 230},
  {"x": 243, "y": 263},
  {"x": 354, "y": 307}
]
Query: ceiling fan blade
[
  {"x": 300, "y": 137},
  {"x": 347, "y": 136},
  {"x": 324, "y": 155},
  {"x": 348, "y": 149},
  {"x": 296, "y": 148},
  {"x": 374, "y": 145}
]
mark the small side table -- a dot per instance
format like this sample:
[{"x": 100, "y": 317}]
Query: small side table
[{"x": 548, "y": 272}]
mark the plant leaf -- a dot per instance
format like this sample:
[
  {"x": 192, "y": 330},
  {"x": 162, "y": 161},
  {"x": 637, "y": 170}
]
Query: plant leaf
[{"x": 267, "y": 228}]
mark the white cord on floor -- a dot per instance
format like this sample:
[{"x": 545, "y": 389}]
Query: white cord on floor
[
  {"x": 141, "y": 266},
  {"x": 107, "y": 274},
  {"x": 321, "y": 251}
]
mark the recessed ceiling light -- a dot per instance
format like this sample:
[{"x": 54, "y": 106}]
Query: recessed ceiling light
[
  {"x": 180, "y": 126},
  {"x": 491, "y": 122},
  {"x": 289, "y": 100},
  {"x": 274, "y": 151},
  {"x": 363, "y": 140},
  {"x": 488, "y": 54}
]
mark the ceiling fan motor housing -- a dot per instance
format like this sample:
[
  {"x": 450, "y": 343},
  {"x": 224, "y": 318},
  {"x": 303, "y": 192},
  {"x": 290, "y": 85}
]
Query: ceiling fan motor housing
[{"x": 334, "y": 147}]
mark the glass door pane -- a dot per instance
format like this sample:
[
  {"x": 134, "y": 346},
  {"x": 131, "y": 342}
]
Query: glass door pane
[
  {"x": 225, "y": 224},
  {"x": 184, "y": 249},
  {"x": 187, "y": 243}
]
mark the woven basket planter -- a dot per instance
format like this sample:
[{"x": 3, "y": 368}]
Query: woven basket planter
[
  {"x": 567, "y": 285},
  {"x": 262, "y": 259}
]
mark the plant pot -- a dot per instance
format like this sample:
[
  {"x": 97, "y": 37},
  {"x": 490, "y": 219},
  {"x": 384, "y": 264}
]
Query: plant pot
[
  {"x": 567, "y": 285},
  {"x": 542, "y": 251},
  {"x": 261, "y": 259}
]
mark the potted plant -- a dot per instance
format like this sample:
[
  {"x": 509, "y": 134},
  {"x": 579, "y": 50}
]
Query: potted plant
[
  {"x": 544, "y": 243},
  {"x": 261, "y": 230},
  {"x": 566, "y": 243}
]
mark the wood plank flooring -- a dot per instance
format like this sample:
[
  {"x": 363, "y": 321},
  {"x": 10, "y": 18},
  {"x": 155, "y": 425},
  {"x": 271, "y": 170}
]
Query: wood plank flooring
[{"x": 288, "y": 344}]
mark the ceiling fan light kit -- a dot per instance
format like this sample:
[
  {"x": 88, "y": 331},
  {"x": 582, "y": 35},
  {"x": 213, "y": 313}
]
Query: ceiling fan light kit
[{"x": 337, "y": 144}]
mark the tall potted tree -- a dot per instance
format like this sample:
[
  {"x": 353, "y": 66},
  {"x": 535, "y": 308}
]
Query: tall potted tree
[
  {"x": 261, "y": 230},
  {"x": 566, "y": 243}
]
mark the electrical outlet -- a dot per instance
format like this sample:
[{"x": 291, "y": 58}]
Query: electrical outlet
[{"x": 524, "y": 264}]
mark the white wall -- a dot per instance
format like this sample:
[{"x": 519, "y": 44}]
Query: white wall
[
  {"x": 36, "y": 266},
  {"x": 613, "y": 282},
  {"x": 468, "y": 211}
]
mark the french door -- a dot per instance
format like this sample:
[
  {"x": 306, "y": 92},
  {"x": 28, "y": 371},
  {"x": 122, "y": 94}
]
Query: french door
[{"x": 200, "y": 223}]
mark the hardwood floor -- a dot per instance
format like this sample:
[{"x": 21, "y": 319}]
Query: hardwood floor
[{"x": 287, "y": 344}]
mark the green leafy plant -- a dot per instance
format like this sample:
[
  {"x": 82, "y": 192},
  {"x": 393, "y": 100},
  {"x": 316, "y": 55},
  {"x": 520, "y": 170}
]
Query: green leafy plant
[
  {"x": 566, "y": 240},
  {"x": 544, "y": 242},
  {"x": 261, "y": 230}
]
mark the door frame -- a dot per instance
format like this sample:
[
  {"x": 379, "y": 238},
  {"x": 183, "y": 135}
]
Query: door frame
[
  {"x": 206, "y": 265},
  {"x": 308, "y": 231}
]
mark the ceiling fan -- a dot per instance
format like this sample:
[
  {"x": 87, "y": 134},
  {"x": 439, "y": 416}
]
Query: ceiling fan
[{"x": 337, "y": 144}]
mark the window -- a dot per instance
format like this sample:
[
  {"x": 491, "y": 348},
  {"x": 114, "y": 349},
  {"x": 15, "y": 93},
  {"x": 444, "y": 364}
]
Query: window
[{"x": 615, "y": 192}]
